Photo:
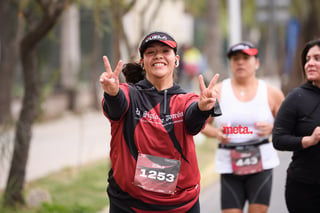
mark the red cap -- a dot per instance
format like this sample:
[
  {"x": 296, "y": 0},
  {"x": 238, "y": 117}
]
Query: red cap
[
  {"x": 160, "y": 37},
  {"x": 244, "y": 47}
]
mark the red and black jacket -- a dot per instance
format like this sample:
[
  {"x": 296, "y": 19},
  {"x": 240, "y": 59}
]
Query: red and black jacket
[{"x": 159, "y": 123}]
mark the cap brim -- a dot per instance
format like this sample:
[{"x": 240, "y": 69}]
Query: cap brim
[
  {"x": 171, "y": 44},
  {"x": 251, "y": 51}
]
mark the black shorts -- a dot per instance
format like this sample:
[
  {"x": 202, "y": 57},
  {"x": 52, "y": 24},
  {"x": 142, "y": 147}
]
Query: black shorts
[{"x": 236, "y": 189}]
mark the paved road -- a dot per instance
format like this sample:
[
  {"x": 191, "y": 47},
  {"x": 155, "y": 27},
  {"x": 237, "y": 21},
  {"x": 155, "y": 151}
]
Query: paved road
[
  {"x": 69, "y": 141},
  {"x": 210, "y": 196}
]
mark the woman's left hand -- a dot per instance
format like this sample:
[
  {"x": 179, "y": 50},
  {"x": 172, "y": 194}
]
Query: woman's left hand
[
  {"x": 263, "y": 128},
  {"x": 208, "y": 95}
]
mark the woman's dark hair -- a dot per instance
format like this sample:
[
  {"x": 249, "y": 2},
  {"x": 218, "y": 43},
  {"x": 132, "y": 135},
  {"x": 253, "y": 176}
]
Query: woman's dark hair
[
  {"x": 305, "y": 51},
  {"x": 133, "y": 72}
]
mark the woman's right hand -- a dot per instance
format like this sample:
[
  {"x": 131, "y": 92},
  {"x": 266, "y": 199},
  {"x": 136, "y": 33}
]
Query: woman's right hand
[
  {"x": 110, "y": 80},
  {"x": 313, "y": 139},
  {"x": 215, "y": 132},
  {"x": 221, "y": 136}
]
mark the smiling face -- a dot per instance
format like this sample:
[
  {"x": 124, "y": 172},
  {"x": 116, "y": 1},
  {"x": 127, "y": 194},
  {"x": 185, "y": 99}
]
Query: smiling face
[
  {"x": 159, "y": 62},
  {"x": 312, "y": 65}
]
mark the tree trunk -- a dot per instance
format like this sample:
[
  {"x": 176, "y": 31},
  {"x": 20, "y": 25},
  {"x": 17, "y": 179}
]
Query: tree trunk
[
  {"x": 116, "y": 35},
  {"x": 8, "y": 56},
  {"x": 214, "y": 41},
  {"x": 14, "y": 187},
  {"x": 95, "y": 56},
  {"x": 70, "y": 53},
  {"x": 13, "y": 193}
]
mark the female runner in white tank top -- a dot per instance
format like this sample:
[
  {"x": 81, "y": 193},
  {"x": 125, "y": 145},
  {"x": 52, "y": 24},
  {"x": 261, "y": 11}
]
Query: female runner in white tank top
[{"x": 245, "y": 157}]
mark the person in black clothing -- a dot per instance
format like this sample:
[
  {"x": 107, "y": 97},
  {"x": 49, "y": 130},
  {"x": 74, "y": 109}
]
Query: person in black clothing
[{"x": 297, "y": 129}]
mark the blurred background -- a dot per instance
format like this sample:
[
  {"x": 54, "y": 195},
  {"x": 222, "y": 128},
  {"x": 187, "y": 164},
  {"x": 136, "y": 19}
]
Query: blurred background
[{"x": 51, "y": 58}]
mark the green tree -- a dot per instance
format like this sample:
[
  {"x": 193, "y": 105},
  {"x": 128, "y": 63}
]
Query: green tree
[
  {"x": 119, "y": 9},
  {"x": 114, "y": 11},
  {"x": 36, "y": 29},
  {"x": 309, "y": 19},
  {"x": 210, "y": 13}
]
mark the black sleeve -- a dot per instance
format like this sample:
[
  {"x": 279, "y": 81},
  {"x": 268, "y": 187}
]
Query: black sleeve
[
  {"x": 115, "y": 106},
  {"x": 283, "y": 136},
  {"x": 195, "y": 118}
]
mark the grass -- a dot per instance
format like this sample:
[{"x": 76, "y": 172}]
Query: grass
[
  {"x": 82, "y": 190},
  {"x": 72, "y": 190},
  {"x": 205, "y": 154}
]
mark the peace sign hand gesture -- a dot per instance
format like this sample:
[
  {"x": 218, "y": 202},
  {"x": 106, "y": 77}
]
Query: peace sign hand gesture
[
  {"x": 110, "y": 80},
  {"x": 208, "y": 96}
]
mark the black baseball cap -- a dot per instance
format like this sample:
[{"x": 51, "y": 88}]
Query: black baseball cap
[
  {"x": 245, "y": 47},
  {"x": 160, "y": 37}
]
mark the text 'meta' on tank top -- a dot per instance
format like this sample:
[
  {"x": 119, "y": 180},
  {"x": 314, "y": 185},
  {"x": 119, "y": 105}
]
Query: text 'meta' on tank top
[{"x": 239, "y": 118}]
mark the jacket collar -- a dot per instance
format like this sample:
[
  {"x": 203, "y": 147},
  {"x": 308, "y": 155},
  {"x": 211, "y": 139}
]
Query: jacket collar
[{"x": 146, "y": 85}]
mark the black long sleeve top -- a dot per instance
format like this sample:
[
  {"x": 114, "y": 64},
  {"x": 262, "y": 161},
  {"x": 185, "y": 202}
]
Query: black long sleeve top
[{"x": 298, "y": 116}]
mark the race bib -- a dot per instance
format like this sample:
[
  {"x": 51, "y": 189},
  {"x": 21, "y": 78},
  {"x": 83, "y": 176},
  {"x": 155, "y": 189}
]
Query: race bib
[
  {"x": 246, "y": 160},
  {"x": 157, "y": 174}
]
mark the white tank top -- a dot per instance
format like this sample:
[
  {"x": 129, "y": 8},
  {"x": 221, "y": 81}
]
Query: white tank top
[{"x": 239, "y": 119}]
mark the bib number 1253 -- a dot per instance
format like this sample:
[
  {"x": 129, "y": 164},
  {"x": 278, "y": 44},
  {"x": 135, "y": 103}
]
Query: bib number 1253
[{"x": 156, "y": 173}]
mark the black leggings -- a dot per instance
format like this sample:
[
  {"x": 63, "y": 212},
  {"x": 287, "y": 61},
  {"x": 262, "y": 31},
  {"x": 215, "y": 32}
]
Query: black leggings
[
  {"x": 237, "y": 189},
  {"x": 195, "y": 208},
  {"x": 302, "y": 197},
  {"x": 114, "y": 209}
]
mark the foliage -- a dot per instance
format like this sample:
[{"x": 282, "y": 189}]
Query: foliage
[
  {"x": 196, "y": 8},
  {"x": 76, "y": 190},
  {"x": 84, "y": 185},
  {"x": 52, "y": 208},
  {"x": 248, "y": 12},
  {"x": 101, "y": 10}
]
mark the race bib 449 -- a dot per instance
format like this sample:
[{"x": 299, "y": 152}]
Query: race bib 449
[{"x": 246, "y": 160}]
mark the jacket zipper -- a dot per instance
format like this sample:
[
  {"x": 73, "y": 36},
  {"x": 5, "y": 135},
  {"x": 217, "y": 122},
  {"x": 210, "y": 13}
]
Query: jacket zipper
[{"x": 165, "y": 102}]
